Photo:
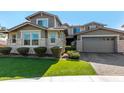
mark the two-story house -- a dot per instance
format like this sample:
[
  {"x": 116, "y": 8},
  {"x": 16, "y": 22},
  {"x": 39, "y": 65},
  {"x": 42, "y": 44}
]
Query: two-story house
[
  {"x": 41, "y": 29},
  {"x": 45, "y": 29}
]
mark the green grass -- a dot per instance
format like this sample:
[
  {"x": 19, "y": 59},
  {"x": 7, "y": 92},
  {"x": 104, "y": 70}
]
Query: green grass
[
  {"x": 22, "y": 67},
  {"x": 70, "y": 67}
]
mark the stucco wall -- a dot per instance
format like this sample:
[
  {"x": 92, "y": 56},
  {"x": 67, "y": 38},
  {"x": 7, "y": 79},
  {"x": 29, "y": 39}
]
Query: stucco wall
[
  {"x": 121, "y": 46},
  {"x": 79, "y": 45}
]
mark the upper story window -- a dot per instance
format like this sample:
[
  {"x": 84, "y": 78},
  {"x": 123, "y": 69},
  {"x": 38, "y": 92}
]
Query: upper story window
[
  {"x": 76, "y": 30},
  {"x": 92, "y": 27},
  {"x": 43, "y": 22}
]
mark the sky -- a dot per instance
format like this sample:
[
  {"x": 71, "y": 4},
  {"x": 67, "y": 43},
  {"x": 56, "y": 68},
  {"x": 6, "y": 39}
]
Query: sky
[{"x": 112, "y": 19}]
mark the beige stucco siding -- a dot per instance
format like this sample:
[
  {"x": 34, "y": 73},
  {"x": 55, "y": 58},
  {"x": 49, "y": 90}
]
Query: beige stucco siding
[{"x": 121, "y": 46}]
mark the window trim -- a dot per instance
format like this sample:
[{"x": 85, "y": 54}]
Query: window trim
[
  {"x": 56, "y": 37},
  {"x": 76, "y": 28},
  {"x": 92, "y": 27},
  {"x": 31, "y": 31},
  {"x": 42, "y": 19},
  {"x": 12, "y": 38},
  {"x": 34, "y": 39}
]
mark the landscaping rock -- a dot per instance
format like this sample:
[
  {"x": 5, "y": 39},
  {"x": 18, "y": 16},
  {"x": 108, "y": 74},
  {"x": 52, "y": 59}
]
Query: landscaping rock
[{"x": 65, "y": 55}]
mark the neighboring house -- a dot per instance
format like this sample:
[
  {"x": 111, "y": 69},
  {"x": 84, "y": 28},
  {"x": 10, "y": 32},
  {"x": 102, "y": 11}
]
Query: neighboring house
[
  {"x": 3, "y": 37},
  {"x": 41, "y": 30},
  {"x": 44, "y": 29}
]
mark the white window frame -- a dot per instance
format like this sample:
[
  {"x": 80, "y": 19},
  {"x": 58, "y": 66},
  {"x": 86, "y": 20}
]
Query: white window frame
[
  {"x": 92, "y": 26},
  {"x": 42, "y": 19},
  {"x": 55, "y": 37},
  {"x": 62, "y": 35},
  {"x": 15, "y": 38},
  {"x": 31, "y": 31}
]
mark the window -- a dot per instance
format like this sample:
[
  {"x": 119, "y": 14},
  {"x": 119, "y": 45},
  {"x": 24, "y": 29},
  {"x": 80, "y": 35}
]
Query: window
[
  {"x": 92, "y": 26},
  {"x": 26, "y": 36},
  {"x": 76, "y": 30},
  {"x": 14, "y": 38},
  {"x": 53, "y": 37},
  {"x": 43, "y": 22},
  {"x": 31, "y": 38},
  {"x": 62, "y": 35},
  {"x": 35, "y": 38}
]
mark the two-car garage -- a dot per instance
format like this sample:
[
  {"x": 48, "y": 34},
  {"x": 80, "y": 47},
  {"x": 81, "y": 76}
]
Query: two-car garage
[
  {"x": 98, "y": 44},
  {"x": 102, "y": 40}
]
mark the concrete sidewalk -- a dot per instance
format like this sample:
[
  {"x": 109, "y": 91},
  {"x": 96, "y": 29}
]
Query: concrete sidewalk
[{"x": 73, "y": 79}]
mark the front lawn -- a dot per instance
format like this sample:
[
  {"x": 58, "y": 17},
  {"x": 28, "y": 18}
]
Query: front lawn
[
  {"x": 70, "y": 67},
  {"x": 22, "y": 67}
]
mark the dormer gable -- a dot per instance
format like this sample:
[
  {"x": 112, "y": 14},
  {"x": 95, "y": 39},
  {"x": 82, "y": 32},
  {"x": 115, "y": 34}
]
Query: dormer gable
[
  {"x": 44, "y": 19},
  {"x": 93, "y": 25}
]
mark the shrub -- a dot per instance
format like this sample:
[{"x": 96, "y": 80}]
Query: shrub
[
  {"x": 5, "y": 50},
  {"x": 23, "y": 51},
  {"x": 57, "y": 51},
  {"x": 40, "y": 51},
  {"x": 70, "y": 48},
  {"x": 73, "y": 54}
]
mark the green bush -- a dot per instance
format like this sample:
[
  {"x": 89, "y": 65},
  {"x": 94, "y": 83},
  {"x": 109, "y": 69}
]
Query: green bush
[
  {"x": 57, "y": 51},
  {"x": 23, "y": 51},
  {"x": 5, "y": 50},
  {"x": 70, "y": 48},
  {"x": 40, "y": 51},
  {"x": 73, "y": 54}
]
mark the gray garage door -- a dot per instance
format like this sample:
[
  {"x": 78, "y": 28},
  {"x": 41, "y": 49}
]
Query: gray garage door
[{"x": 98, "y": 44}]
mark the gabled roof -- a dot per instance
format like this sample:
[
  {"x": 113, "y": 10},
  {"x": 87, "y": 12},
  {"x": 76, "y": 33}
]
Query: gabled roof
[
  {"x": 23, "y": 24},
  {"x": 3, "y": 31},
  {"x": 42, "y": 12},
  {"x": 34, "y": 25},
  {"x": 93, "y": 22},
  {"x": 102, "y": 28},
  {"x": 66, "y": 24}
]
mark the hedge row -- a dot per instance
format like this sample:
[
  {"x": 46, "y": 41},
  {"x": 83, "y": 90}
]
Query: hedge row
[{"x": 39, "y": 51}]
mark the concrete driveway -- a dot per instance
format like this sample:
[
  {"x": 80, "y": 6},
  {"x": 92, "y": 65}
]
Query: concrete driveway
[{"x": 105, "y": 64}]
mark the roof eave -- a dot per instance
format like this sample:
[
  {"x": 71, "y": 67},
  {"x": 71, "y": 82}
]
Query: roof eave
[
  {"x": 114, "y": 30},
  {"x": 23, "y": 24}
]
